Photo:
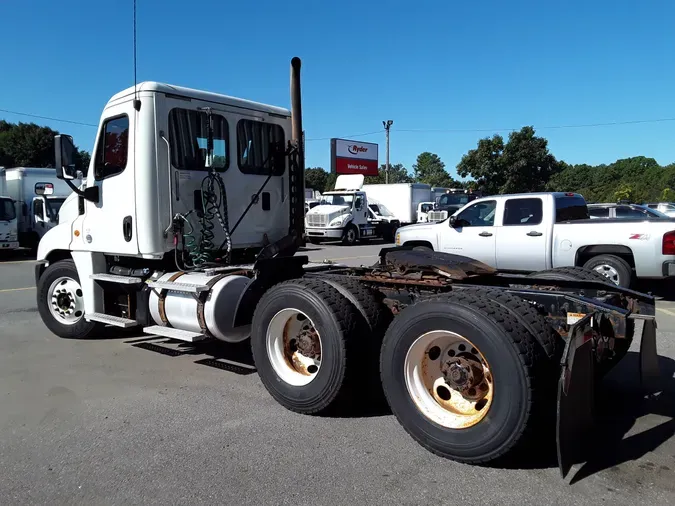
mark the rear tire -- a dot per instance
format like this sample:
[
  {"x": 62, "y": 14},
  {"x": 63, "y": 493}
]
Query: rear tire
[
  {"x": 614, "y": 268},
  {"x": 336, "y": 322},
  {"x": 621, "y": 346},
  {"x": 514, "y": 360},
  {"x": 60, "y": 302}
]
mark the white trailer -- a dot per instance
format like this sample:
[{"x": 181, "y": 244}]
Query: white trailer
[
  {"x": 38, "y": 195},
  {"x": 402, "y": 199},
  {"x": 8, "y": 226}
]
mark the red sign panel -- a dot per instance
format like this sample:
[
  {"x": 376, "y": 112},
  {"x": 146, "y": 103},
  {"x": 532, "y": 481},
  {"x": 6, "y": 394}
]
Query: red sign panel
[
  {"x": 353, "y": 157},
  {"x": 355, "y": 166}
]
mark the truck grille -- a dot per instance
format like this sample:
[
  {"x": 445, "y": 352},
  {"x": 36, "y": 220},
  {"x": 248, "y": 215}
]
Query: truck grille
[
  {"x": 437, "y": 215},
  {"x": 317, "y": 220}
]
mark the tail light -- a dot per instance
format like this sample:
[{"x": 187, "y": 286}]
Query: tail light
[{"x": 668, "y": 245}]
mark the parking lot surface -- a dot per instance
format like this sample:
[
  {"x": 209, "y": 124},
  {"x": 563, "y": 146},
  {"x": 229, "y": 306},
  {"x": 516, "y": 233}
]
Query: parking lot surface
[{"x": 127, "y": 420}]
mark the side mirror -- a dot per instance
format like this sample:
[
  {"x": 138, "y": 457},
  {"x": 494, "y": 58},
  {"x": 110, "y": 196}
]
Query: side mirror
[
  {"x": 452, "y": 220},
  {"x": 64, "y": 153}
]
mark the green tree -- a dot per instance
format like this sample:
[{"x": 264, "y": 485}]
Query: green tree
[
  {"x": 31, "y": 145},
  {"x": 667, "y": 195},
  {"x": 522, "y": 164},
  {"x": 624, "y": 192},
  {"x": 430, "y": 169},
  {"x": 316, "y": 178},
  {"x": 397, "y": 174}
]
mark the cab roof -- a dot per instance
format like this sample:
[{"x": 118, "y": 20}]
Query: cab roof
[{"x": 206, "y": 96}]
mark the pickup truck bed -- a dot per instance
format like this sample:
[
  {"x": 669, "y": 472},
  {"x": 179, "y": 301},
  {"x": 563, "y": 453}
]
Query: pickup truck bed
[{"x": 538, "y": 231}]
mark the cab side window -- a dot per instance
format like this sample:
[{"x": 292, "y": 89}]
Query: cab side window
[
  {"x": 257, "y": 143},
  {"x": 113, "y": 148},
  {"x": 523, "y": 212},
  {"x": 598, "y": 212},
  {"x": 480, "y": 214}
]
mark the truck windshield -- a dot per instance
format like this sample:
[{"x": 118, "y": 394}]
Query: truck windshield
[
  {"x": 454, "y": 199},
  {"x": 570, "y": 209},
  {"x": 7, "y": 211},
  {"x": 346, "y": 199},
  {"x": 381, "y": 209},
  {"x": 53, "y": 207}
]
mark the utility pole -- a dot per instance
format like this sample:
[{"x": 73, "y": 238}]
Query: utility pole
[{"x": 387, "y": 125}]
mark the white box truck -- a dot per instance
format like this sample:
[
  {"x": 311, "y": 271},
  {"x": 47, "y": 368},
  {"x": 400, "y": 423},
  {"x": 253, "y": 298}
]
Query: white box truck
[
  {"x": 402, "y": 199},
  {"x": 38, "y": 195},
  {"x": 8, "y": 225}
]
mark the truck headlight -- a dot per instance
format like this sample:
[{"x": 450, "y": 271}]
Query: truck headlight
[
  {"x": 339, "y": 221},
  {"x": 398, "y": 238}
]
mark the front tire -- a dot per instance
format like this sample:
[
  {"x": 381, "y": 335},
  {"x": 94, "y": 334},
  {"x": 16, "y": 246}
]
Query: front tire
[
  {"x": 351, "y": 235},
  {"x": 424, "y": 340},
  {"x": 60, "y": 302},
  {"x": 303, "y": 338}
]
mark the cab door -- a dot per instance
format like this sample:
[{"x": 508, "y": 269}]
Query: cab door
[
  {"x": 472, "y": 233},
  {"x": 109, "y": 226}
]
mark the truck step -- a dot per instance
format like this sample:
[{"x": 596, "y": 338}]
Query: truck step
[
  {"x": 114, "y": 278},
  {"x": 110, "y": 320},
  {"x": 173, "y": 333},
  {"x": 178, "y": 287}
]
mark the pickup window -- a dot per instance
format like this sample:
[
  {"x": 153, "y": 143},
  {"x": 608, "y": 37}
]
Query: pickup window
[
  {"x": 570, "y": 209},
  {"x": 599, "y": 212},
  {"x": 523, "y": 212},
  {"x": 480, "y": 214}
]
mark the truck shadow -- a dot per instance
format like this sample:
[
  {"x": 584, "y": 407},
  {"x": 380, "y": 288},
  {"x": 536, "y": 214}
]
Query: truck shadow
[
  {"x": 235, "y": 358},
  {"x": 621, "y": 407}
]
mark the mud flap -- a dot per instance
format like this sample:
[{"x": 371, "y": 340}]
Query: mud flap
[
  {"x": 576, "y": 388},
  {"x": 649, "y": 359}
]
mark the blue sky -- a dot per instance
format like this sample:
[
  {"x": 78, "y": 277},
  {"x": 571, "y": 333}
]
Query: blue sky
[{"x": 428, "y": 65}]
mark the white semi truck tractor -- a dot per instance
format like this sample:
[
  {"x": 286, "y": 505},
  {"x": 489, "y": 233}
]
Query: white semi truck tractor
[{"x": 188, "y": 228}]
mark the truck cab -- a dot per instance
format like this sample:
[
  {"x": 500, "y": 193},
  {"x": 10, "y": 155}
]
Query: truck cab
[
  {"x": 8, "y": 221},
  {"x": 450, "y": 202},
  {"x": 343, "y": 214}
]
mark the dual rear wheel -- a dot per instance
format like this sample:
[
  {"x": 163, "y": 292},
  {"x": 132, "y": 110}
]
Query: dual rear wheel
[{"x": 459, "y": 371}]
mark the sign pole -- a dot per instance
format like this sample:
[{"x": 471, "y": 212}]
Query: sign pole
[{"x": 387, "y": 125}]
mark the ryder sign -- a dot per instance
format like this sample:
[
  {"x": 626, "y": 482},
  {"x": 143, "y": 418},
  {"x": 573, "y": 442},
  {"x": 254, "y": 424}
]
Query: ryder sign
[{"x": 353, "y": 157}]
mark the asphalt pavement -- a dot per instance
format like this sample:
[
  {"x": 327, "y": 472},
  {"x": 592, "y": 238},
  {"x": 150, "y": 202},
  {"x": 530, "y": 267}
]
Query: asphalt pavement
[{"x": 124, "y": 420}]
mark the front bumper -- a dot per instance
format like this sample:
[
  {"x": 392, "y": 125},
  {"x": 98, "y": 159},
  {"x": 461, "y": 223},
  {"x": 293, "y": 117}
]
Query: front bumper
[
  {"x": 9, "y": 245},
  {"x": 329, "y": 233}
]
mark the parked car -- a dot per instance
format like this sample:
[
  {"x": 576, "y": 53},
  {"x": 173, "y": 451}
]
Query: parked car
[
  {"x": 537, "y": 231},
  {"x": 663, "y": 207},
  {"x": 625, "y": 211}
]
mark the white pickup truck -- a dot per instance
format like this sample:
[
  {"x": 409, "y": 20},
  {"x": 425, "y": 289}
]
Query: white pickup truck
[{"x": 537, "y": 231}]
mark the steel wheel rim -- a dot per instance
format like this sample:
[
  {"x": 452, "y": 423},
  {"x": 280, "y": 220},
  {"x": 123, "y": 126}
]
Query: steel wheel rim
[
  {"x": 294, "y": 347},
  {"x": 65, "y": 300},
  {"x": 609, "y": 272},
  {"x": 351, "y": 235},
  {"x": 439, "y": 401}
]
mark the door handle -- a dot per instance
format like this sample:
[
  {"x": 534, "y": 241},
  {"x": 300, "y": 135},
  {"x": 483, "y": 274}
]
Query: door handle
[
  {"x": 534, "y": 233},
  {"x": 485, "y": 234}
]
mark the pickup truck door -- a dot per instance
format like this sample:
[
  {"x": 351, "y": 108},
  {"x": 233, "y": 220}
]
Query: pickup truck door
[
  {"x": 523, "y": 239},
  {"x": 473, "y": 232}
]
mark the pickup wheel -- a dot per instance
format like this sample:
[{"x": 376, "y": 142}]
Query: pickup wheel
[
  {"x": 614, "y": 268},
  {"x": 303, "y": 337},
  {"x": 461, "y": 375},
  {"x": 60, "y": 302}
]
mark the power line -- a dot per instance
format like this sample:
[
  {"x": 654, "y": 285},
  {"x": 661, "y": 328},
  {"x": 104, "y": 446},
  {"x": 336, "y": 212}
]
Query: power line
[
  {"x": 345, "y": 136},
  {"x": 48, "y": 118}
]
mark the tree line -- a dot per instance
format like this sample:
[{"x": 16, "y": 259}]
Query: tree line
[
  {"x": 520, "y": 163},
  {"x": 31, "y": 145},
  {"x": 523, "y": 163}
]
